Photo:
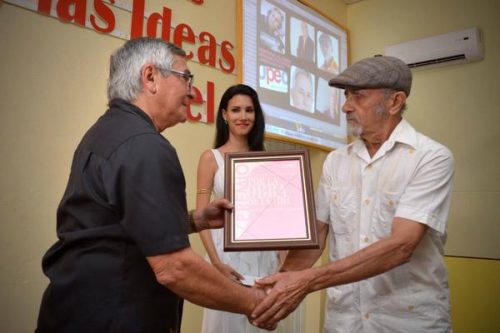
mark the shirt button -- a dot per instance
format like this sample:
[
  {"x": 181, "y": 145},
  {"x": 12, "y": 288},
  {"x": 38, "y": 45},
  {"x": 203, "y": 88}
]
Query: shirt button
[
  {"x": 410, "y": 307},
  {"x": 369, "y": 166},
  {"x": 367, "y": 201},
  {"x": 411, "y": 151},
  {"x": 366, "y": 239},
  {"x": 367, "y": 315},
  {"x": 390, "y": 203}
]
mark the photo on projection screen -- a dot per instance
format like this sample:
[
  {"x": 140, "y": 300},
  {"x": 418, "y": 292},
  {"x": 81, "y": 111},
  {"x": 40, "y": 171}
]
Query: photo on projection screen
[{"x": 289, "y": 53}]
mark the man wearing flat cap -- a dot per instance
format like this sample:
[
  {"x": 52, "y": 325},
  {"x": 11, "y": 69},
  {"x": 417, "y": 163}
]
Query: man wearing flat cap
[{"x": 384, "y": 201}]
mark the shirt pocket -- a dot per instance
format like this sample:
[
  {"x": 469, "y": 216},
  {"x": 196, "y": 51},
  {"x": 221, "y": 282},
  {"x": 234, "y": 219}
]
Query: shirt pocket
[
  {"x": 342, "y": 209},
  {"x": 339, "y": 298},
  {"x": 384, "y": 211}
]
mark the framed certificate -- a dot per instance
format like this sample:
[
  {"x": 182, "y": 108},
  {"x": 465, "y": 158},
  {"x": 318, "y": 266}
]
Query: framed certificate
[{"x": 273, "y": 201}]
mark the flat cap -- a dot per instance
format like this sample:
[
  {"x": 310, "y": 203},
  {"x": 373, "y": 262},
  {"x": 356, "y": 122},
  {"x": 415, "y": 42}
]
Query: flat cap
[{"x": 375, "y": 72}]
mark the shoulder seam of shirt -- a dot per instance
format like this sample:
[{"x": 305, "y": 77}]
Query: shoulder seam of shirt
[{"x": 130, "y": 138}]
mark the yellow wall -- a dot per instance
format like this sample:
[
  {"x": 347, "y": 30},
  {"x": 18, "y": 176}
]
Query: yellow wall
[
  {"x": 459, "y": 107},
  {"x": 474, "y": 290}
]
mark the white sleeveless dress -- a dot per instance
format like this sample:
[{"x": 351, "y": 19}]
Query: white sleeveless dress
[{"x": 252, "y": 265}]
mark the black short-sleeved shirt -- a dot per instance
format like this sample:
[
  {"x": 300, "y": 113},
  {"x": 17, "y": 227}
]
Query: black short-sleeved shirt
[{"x": 125, "y": 200}]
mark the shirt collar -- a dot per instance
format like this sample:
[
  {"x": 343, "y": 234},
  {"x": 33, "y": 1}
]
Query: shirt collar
[
  {"x": 403, "y": 133},
  {"x": 123, "y": 105}
]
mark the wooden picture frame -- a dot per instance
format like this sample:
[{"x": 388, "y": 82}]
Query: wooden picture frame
[{"x": 273, "y": 201}]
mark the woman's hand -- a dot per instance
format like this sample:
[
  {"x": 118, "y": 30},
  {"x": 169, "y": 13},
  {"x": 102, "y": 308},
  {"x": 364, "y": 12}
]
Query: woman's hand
[{"x": 229, "y": 272}]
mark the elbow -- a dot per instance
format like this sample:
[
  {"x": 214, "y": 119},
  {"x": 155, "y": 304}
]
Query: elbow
[
  {"x": 404, "y": 253},
  {"x": 171, "y": 276},
  {"x": 406, "y": 256},
  {"x": 170, "y": 269}
]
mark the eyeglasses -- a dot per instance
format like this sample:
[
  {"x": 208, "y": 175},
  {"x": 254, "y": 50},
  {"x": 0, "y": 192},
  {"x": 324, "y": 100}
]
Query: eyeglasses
[{"x": 188, "y": 77}]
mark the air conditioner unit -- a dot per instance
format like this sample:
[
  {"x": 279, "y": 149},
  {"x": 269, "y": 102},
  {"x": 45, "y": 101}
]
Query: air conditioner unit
[{"x": 451, "y": 48}]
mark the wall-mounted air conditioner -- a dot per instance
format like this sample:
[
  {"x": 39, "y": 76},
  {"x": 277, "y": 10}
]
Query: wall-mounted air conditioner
[{"x": 451, "y": 48}]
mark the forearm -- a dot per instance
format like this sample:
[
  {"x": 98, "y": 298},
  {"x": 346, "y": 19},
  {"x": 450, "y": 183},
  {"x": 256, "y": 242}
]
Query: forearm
[
  {"x": 203, "y": 285},
  {"x": 190, "y": 277},
  {"x": 208, "y": 243},
  {"x": 289, "y": 288},
  {"x": 204, "y": 184},
  {"x": 375, "y": 259},
  {"x": 297, "y": 260}
]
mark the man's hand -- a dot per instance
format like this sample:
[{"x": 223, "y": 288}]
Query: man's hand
[
  {"x": 212, "y": 216},
  {"x": 284, "y": 291},
  {"x": 260, "y": 295}
]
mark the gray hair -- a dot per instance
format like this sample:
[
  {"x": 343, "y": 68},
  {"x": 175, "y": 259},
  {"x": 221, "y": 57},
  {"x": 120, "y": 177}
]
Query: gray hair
[{"x": 126, "y": 65}]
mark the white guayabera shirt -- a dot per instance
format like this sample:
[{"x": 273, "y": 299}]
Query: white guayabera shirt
[{"x": 410, "y": 176}]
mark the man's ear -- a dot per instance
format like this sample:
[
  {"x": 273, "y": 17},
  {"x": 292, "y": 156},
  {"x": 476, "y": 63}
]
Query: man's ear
[
  {"x": 397, "y": 102},
  {"x": 149, "y": 78}
]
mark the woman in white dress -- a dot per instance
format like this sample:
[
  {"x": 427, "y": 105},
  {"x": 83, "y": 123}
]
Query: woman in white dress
[{"x": 240, "y": 128}]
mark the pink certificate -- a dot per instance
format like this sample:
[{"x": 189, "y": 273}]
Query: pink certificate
[{"x": 273, "y": 201}]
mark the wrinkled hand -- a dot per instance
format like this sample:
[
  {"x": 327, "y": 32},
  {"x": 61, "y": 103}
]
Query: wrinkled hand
[
  {"x": 260, "y": 296},
  {"x": 229, "y": 272},
  {"x": 212, "y": 216},
  {"x": 284, "y": 291}
]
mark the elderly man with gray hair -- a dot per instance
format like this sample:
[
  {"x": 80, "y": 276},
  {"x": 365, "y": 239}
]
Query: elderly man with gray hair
[
  {"x": 384, "y": 201},
  {"x": 123, "y": 262}
]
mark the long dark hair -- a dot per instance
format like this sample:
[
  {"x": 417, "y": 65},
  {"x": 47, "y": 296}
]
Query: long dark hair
[{"x": 256, "y": 135}]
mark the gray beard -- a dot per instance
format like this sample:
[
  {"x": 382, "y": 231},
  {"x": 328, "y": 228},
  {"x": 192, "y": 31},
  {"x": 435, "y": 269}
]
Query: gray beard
[{"x": 355, "y": 131}]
